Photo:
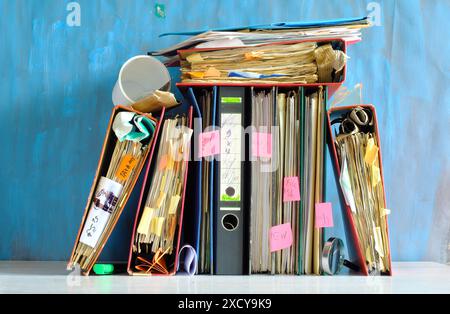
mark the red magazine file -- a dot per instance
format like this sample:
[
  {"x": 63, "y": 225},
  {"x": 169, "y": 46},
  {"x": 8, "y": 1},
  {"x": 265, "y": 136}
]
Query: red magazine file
[
  {"x": 349, "y": 223},
  {"x": 105, "y": 158},
  {"x": 332, "y": 86},
  {"x": 144, "y": 191}
]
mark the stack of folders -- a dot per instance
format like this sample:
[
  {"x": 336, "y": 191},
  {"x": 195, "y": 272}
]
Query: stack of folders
[
  {"x": 287, "y": 162},
  {"x": 300, "y": 63},
  {"x": 313, "y": 176},
  {"x": 201, "y": 198},
  {"x": 123, "y": 156},
  {"x": 156, "y": 238},
  {"x": 357, "y": 152},
  {"x": 251, "y": 35}
]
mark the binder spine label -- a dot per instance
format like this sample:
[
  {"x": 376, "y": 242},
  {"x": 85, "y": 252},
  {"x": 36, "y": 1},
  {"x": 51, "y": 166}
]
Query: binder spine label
[
  {"x": 103, "y": 204},
  {"x": 127, "y": 165},
  {"x": 230, "y": 166}
]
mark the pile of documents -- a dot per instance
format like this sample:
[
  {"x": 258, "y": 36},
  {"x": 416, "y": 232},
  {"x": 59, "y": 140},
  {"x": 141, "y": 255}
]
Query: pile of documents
[
  {"x": 155, "y": 243},
  {"x": 357, "y": 149},
  {"x": 300, "y": 63},
  {"x": 261, "y": 215},
  {"x": 133, "y": 135},
  {"x": 312, "y": 188},
  {"x": 288, "y": 162},
  {"x": 348, "y": 30}
]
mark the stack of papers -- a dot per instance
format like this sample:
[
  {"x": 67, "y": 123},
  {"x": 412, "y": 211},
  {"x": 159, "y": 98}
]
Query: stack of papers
[
  {"x": 155, "y": 243},
  {"x": 133, "y": 134},
  {"x": 313, "y": 139},
  {"x": 299, "y": 63},
  {"x": 348, "y": 29},
  {"x": 357, "y": 148},
  {"x": 272, "y": 63},
  {"x": 286, "y": 180}
]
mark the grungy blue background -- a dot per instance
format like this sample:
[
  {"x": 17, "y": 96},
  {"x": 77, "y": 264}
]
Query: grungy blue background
[{"x": 56, "y": 83}]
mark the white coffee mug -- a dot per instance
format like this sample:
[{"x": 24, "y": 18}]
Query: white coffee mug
[{"x": 139, "y": 77}]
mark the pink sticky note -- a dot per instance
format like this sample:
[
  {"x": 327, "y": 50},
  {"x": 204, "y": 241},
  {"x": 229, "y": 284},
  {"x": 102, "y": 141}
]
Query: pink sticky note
[
  {"x": 163, "y": 163},
  {"x": 280, "y": 237},
  {"x": 262, "y": 145},
  {"x": 324, "y": 215},
  {"x": 291, "y": 189},
  {"x": 209, "y": 144}
]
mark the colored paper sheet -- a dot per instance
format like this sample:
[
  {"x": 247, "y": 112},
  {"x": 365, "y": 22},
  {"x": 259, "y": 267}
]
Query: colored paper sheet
[{"x": 280, "y": 237}]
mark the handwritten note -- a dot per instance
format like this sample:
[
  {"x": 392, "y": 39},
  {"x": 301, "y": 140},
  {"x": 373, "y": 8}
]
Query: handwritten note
[
  {"x": 93, "y": 228},
  {"x": 262, "y": 145},
  {"x": 280, "y": 237},
  {"x": 231, "y": 156},
  {"x": 291, "y": 189},
  {"x": 126, "y": 167},
  {"x": 209, "y": 144},
  {"x": 103, "y": 204},
  {"x": 324, "y": 215}
]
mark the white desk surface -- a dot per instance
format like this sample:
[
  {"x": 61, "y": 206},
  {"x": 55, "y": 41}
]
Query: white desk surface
[{"x": 51, "y": 277}]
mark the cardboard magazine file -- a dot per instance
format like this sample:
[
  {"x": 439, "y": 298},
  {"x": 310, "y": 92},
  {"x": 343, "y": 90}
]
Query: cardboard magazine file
[
  {"x": 146, "y": 186},
  {"x": 103, "y": 164},
  {"x": 354, "y": 248},
  {"x": 337, "y": 43}
]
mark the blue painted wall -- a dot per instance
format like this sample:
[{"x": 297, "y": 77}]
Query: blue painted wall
[{"x": 56, "y": 84}]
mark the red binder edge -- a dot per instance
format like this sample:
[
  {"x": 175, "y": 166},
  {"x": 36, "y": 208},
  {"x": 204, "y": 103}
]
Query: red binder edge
[
  {"x": 96, "y": 179},
  {"x": 141, "y": 200},
  {"x": 349, "y": 218},
  {"x": 147, "y": 170}
]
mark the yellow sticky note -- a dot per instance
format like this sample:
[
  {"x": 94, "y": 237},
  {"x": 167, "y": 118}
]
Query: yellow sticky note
[
  {"x": 368, "y": 255},
  {"x": 371, "y": 152},
  {"x": 212, "y": 72},
  {"x": 153, "y": 224},
  {"x": 195, "y": 57},
  {"x": 174, "y": 204},
  {"x": 170, "y": 163},
  {"x": 253, "y": 55},
  {"x": 160, "y": 199},
  {"x": 376, "y": 176},
  {"x": 378, "y": 241},
  {"x": 196, "y": 75},
  {"x": 384, "y": 212},
  {"x": 159, "y": 225},
  {"x": 163, "y": 183},
  {"x": 146, "y": 218}
]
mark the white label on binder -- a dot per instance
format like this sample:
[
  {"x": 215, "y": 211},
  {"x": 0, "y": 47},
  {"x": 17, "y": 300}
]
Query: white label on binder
[
  {"x": 230, "y": 165},
  {"x": 234, "y": 209},
  {"x": 103, "y": 204}
]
